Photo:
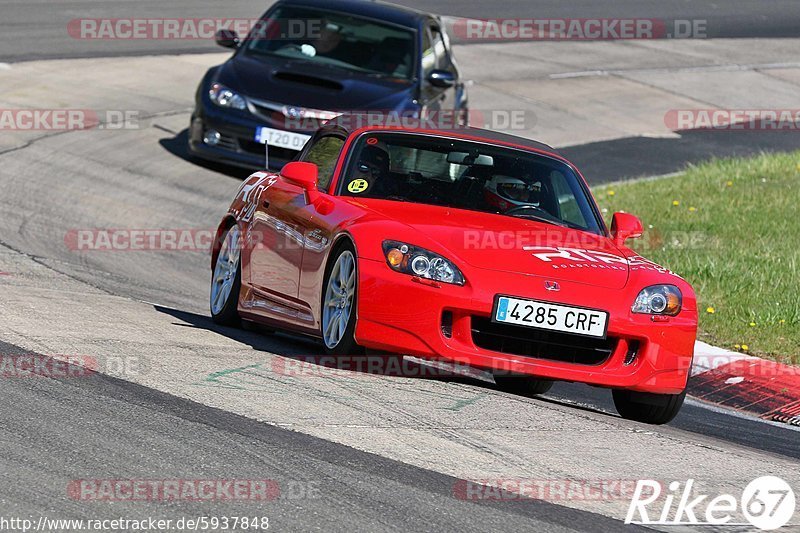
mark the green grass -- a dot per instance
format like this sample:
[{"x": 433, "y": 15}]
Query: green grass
[{"x": 735, "y": 236}]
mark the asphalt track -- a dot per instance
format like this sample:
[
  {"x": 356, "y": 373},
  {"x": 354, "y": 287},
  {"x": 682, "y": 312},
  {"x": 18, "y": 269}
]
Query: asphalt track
[
  {"x": 36, "y": 29},
  {"x": 55, "y": 431}
]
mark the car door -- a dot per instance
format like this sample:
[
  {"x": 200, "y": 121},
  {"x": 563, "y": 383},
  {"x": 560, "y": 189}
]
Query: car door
[
  {"x": 436, "y": 56},
  {"x": 274, "y": 239},
  {"x": 319, "y": 221}
]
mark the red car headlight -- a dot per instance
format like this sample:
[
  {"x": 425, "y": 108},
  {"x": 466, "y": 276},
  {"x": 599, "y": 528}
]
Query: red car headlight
[
  {"x": 659, "y": 300},
  {"x": 415, "y": 261}
]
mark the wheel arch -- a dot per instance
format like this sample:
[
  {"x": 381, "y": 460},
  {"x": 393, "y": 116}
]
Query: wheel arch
[{"x": 227, "y": 222}]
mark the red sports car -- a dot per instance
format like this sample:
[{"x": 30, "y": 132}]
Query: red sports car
[{"x": 464, "y": 245}]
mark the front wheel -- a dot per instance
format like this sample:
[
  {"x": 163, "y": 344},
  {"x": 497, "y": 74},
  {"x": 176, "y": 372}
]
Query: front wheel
[
  {"x": 339, "y": 303},
  {"x": 647, "y": 407},
  {"x": 226, "y": 281}
]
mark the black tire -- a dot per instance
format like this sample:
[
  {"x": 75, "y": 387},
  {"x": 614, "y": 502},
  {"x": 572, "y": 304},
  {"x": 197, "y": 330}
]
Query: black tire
[
  {"x": 229, "y": 314},
  {"x": 523, "y": 385},
  {"x": 646, "y": 407},
  {"x": 347, "y": 345}
]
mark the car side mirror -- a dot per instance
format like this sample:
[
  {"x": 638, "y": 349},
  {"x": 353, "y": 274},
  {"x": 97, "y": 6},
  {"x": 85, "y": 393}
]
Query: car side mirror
[
  {"x": 625, "y": 226},
  {"x": 227, "y": 38},
  {"x": 303, "y": 174},
  {"x": 442, "y": 79}
]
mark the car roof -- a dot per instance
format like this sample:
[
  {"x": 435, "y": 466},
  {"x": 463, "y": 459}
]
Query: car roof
[
  {"x": 401, "y": 15},
  {"x": 348, "y": 123}
]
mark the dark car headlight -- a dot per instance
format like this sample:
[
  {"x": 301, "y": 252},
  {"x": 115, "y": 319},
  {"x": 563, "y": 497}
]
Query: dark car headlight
[
  {"x": 224, "y": 97},
  {"x": 659, "y": 300},
  {"x": 415, "y": 261}
]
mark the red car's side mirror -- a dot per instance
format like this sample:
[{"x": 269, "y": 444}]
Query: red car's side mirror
[
  {"x": 625, "y": 226},
  {"x": 303, "y": 174}
]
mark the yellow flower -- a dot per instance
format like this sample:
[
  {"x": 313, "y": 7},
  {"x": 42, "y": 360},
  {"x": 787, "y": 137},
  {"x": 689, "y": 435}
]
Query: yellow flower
[
  {"x": 729, "y": 184},
  {"x": 781, "y": 321},
  {"x": 745, "y": 347},
  {"x": 752, "y": 324},
  {"x": 611, "y": 193},
  {"x": 737, "y": 346},
  {"x": 676, "y": 203},
  {"x": 692, "y": 209},
  {"x": 711, "y": 310}
]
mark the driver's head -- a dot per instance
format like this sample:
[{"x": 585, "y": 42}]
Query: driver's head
[
  {"x": 505, "y": 192},
  {"x": 328, "y": 38},
  {"x": 374, "y": 161}
]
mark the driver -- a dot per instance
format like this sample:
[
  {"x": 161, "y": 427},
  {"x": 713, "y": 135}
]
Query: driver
[
  {"x": 504, "y": 193},
  {"x": 373, "y": 167}
]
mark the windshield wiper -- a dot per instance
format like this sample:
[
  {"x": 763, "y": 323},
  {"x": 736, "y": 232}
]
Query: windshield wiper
[{"x": 546, "y": 220}]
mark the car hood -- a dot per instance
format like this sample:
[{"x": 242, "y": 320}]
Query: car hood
[
  {"x": 509, "y": 244},
  {"x": 298, "y": 83}
]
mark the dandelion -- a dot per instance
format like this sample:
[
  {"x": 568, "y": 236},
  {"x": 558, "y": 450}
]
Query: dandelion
[
  {"x": 752, "y": 324},
  {"x": 692, "y": 209},
  {"x": 710, "y": 310},
  {"x": 611, "y": 193},
  {"x": 730, "y": 183},
  {"x": 737, "y": 346},
  {"x": 675, "y": 203},
  {"x": 745, "y": 347},
  {"x": 782, "y": 321}
]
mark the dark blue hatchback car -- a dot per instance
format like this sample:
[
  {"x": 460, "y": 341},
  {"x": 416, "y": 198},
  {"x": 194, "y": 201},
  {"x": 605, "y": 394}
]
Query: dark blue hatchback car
[{"x": 310, "y": 60}]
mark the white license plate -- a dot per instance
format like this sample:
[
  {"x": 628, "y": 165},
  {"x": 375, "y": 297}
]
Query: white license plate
[
  {"x": 281, "y": 138},
  {"x": 555, "y": 317}
]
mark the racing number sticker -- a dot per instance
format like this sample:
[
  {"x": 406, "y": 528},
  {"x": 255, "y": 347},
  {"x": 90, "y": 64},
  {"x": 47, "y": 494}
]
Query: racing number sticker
[{"x": 358, "y": 186}]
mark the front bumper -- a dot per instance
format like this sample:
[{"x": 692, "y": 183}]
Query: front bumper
[
  {"x": 400, "y": 314},
  {"x": 237, "y": 145}
]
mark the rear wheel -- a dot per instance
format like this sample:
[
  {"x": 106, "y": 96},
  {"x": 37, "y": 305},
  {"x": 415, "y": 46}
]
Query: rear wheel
[
  {"x": 339, "y": 303},
  {"x": 647, "y": 407},
  {"x": 226, "y": 281},
  {"x": 523, "y": 385}
]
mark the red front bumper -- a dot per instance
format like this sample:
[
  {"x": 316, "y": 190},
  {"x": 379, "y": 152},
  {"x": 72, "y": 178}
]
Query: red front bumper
[{"x": 400, "y": 314}]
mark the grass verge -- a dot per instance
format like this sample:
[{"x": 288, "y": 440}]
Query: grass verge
[{"x": 730, "y": 227}]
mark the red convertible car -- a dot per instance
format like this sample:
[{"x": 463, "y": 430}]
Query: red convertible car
[{"x": 464, "y": 245}]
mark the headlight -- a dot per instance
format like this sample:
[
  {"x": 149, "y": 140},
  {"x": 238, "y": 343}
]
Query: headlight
[
  {"x": 224, "y": 97},
  {"x": 659, "y": 300},
  {"x": 408, "y": 259}
]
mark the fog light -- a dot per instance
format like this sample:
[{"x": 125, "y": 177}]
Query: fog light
[{"x": 212, "y": 137}]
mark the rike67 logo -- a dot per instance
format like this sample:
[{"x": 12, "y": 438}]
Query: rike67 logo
[{"x": 767, "y": 503}]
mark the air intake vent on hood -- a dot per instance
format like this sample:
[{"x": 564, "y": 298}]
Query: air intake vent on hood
[{"x": 309, "y": 80}]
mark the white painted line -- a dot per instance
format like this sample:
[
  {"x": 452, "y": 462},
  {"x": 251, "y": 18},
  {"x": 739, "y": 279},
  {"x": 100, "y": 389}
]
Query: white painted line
[{"x": 581, "y": 74}]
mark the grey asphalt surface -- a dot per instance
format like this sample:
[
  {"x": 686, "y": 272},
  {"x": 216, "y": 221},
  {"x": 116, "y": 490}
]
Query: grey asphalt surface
[
  {"x": 58, "y": 431},
  {"x": 37, "y": 29}
]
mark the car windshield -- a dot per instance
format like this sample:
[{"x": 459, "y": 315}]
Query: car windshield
[
  {"x": 336, "y": 40},
  {"x": 468, "y": 175}
]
